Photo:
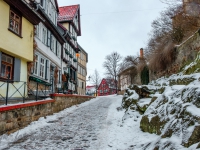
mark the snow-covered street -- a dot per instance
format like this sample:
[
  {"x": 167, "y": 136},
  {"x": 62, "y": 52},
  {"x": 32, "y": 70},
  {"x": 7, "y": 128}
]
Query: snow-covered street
[{"x": 92, "y": 125}]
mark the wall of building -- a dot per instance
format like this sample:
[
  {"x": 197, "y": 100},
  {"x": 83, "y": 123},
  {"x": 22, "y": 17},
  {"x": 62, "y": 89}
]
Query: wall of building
[
  {"x": 20, "y": 47},
  {"x": 48, "y": 53},
  {"x": 80, "y": 75},
  {"x": 15, "y": 117},
  {"x": 66, "y": 25}
]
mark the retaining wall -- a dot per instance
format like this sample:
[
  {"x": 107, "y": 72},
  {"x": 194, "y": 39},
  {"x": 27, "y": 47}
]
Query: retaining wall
[{"x": 17, "y": 116}]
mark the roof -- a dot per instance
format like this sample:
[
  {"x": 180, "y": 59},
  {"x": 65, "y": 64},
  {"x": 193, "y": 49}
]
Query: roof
[
  {"x": 67, "y": 13},
  {"x": 111, "y": 82},
  {"x": 27, "y": 10},
  {"x": 88, "y": 87}
]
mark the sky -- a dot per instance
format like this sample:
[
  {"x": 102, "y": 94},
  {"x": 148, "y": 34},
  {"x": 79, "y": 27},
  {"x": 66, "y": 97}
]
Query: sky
[{"x": 114, "y": 25}]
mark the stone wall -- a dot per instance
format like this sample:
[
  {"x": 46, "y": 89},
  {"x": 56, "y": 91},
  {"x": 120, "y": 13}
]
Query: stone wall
[
  {"x": 186, "y": 52},
  {"x": 18, "y": 116},
  {"x": 63, "y": 101}
]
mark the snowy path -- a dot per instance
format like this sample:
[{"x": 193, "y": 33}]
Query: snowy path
[
  {"x": 80, "y": 128},
  {"x": 93, "y": 125}
]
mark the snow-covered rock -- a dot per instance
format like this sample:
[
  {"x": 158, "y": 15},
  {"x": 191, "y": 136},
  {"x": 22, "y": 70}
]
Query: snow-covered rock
[{"x": 168, "y": 107}]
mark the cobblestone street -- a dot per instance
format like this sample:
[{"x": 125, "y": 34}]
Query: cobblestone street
[{"x": 80, "y": 129}]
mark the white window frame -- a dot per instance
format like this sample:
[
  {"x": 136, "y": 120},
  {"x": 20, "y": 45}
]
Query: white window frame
[
  {"x": 36, "y": 66},
  {"x": 58, "y": 49},
  {"x": 44, "y": 35},
  {"x": 42, "y": 68},
  {"x": 38, "y": 31},
  {"x": 52, "y": 43}
]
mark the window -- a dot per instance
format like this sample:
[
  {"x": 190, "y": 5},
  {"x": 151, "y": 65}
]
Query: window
[
  {"x": 36, "y": 65},
  {"x": 84, "y": 72},
  {"x": 38, "y": 31},
  {"x": 82, "y": 85},
  {"x": 79, "y": 69},
  {"x": 6, "y": 66},
  {"x": 15, "y": 22},
  {"x": 58, "y": 49},
  {"x": 52, "y": 43},
  {"x": 44, "y": 36},
  {"x": 42, "y": 67}
]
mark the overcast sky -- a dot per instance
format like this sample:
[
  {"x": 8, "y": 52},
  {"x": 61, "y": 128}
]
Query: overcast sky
[{"x": 114, "y": 25}]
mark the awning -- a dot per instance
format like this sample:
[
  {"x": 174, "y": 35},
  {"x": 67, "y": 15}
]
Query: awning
[{"x": 39, "y": 81}]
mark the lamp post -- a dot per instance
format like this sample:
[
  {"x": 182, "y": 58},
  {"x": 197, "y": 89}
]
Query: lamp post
[{"x": 88, "y": 78}]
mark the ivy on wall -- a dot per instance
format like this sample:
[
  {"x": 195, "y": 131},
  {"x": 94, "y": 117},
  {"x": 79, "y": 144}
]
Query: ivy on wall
[{"x": 145, "y": 75}]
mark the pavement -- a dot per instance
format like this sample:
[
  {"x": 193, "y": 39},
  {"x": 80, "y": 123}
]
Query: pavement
[{"x": 78, "y": 130}]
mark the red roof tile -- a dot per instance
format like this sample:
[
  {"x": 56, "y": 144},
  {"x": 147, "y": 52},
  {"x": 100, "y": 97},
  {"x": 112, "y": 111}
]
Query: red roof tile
[{"x": 67, "y": 13}]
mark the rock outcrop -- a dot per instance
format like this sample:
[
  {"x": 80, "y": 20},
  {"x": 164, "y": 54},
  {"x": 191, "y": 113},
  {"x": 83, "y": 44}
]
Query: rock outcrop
[{"x": 166, "y": 109}]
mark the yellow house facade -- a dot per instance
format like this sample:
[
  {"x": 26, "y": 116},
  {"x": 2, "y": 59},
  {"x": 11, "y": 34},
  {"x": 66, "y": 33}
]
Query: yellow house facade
[
  {"x": 16, "y": 44},
  {"x": 82, "y": 71}
]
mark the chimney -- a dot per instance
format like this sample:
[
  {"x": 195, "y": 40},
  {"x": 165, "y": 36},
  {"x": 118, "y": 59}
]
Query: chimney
[{"x": 141, "y": 53}]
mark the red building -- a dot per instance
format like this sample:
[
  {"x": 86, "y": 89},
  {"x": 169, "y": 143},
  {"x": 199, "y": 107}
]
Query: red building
[{"x": 107, "y": 87}]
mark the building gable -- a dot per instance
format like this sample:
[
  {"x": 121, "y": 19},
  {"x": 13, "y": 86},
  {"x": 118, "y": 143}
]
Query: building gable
[{"x": 71, "y": 15}]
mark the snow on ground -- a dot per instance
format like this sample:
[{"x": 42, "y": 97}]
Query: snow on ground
[
  {"x": 122, "y": 136},
  {"x": 93, "y": 125}
]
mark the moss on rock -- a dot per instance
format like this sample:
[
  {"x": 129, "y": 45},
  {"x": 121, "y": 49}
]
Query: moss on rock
[{"x": 152, "y": 126}]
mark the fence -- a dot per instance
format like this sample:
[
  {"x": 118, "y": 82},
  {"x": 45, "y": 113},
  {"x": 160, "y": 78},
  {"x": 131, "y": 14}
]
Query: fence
[{"x": 19, "y": 91}]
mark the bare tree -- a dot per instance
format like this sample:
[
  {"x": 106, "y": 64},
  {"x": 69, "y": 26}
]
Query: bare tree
[
  {"x": 112, "y": 65},
  {"x": 96, "y": 79},
  {"x": 174, "y": 25},
  {"x": 171, "y": 2},
  {"x": 129, "y": 66}
]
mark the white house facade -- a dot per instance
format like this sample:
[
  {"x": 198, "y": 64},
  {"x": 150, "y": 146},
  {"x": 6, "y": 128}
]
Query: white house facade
[
  {"x": 69, "y": 26},
  {"x": 47, "y": 60}
]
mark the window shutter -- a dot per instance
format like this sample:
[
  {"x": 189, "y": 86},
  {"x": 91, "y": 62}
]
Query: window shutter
[
  {"x": 46, "y": 70},
  {"x": 17, "y": 69},
  {"x": 56, "y": 48},
  {"x": 51, "y": 42},
  {"x": 75, "y": 75},
  {"x": 48, "y": 38}
]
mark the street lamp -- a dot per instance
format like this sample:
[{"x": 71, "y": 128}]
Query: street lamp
[{"x": 88, "y": 78}]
